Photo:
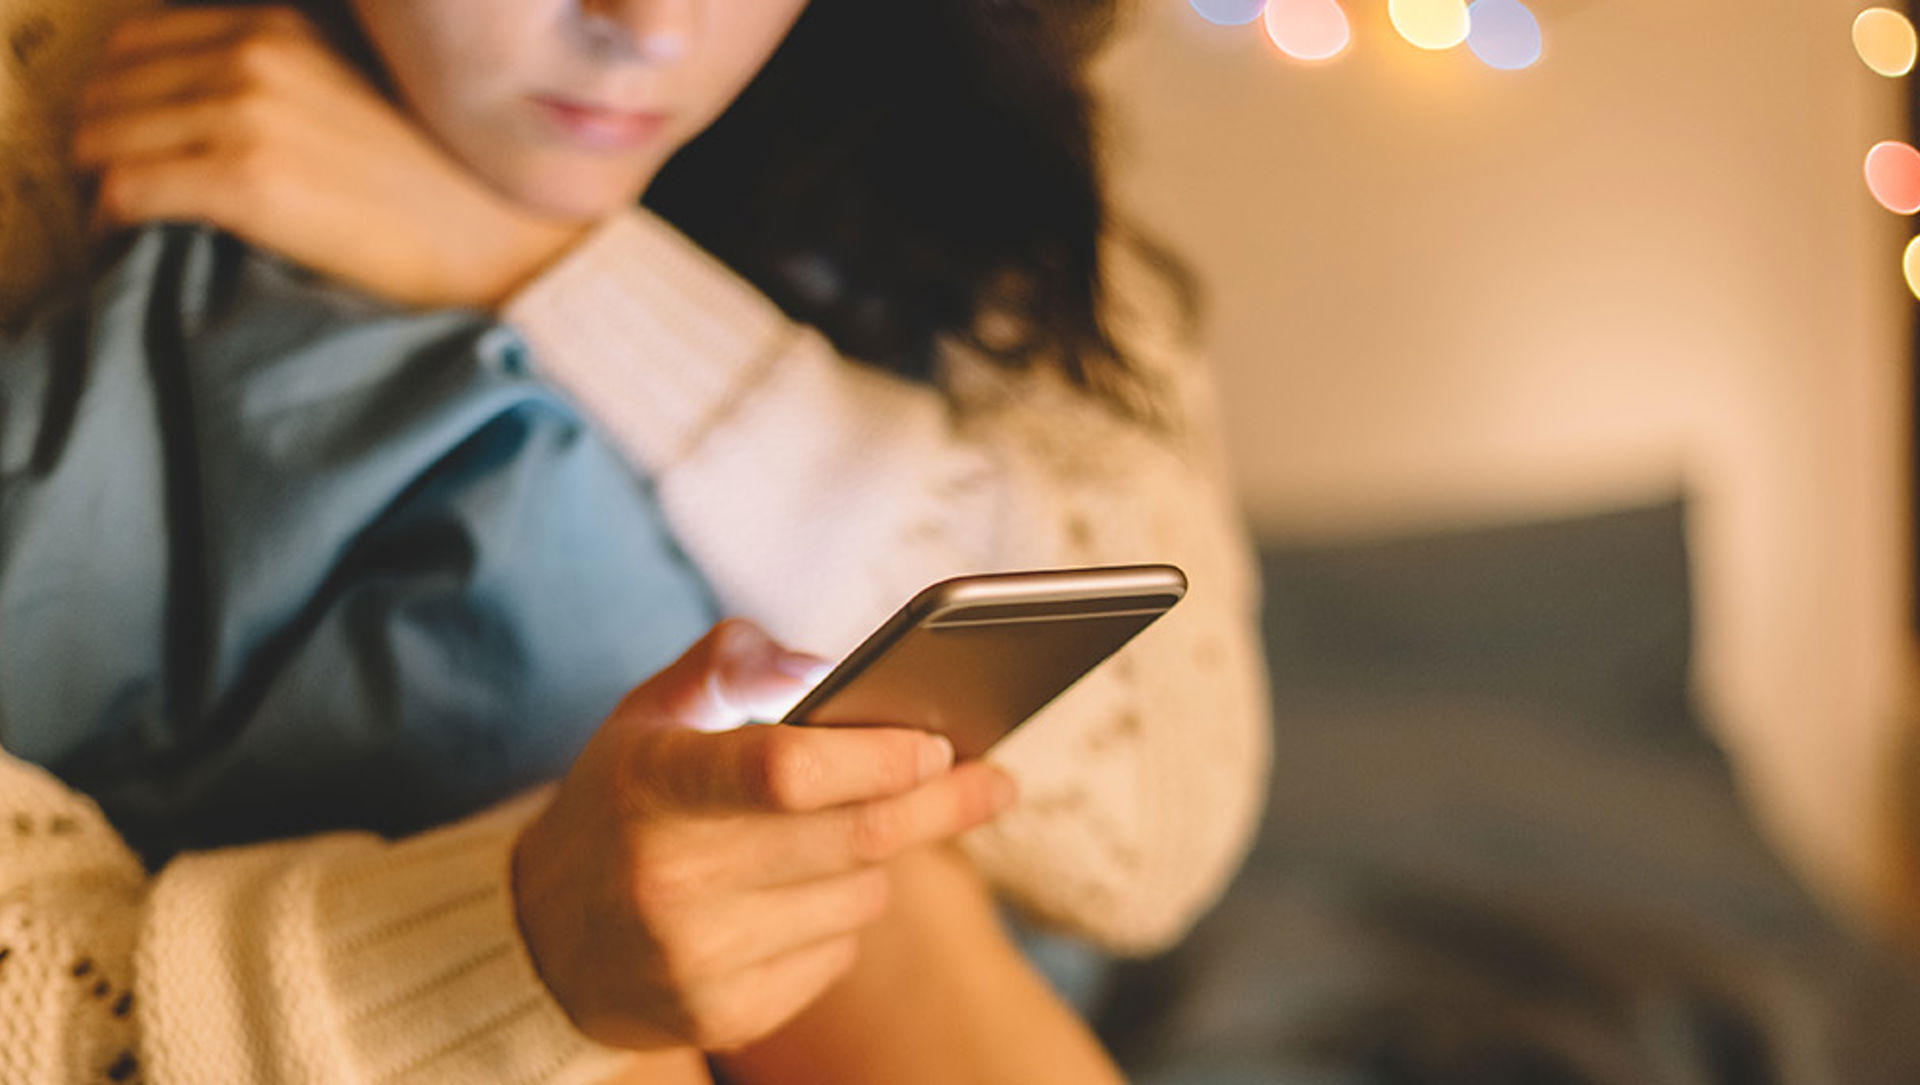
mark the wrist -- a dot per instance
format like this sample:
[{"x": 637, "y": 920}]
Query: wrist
[
  {"x": 494, "y": 249},
  {"x": 531, "y": 889},
  {"x": 571, "y": 937},
  {"x": 512, "y": 255}
]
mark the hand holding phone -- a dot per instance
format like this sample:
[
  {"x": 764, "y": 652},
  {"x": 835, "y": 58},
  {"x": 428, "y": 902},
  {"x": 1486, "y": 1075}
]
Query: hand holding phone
[{"x": 973, "y": 657}]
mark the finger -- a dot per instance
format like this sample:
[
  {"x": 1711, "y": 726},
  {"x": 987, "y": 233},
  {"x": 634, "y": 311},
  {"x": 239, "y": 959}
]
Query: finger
[
  {"x": 729, "y": 935},
  {"x": 752, "y": 1005},
  {"x": 159, "y": 78},
  {"x": 168, "y": 129},
  {"x": 789, "y": 770},
  {"x": 800, "y": 848},
  {"x": 751, "y": 676},
  {"x": 189, "y": 27},
  {"x": 190, "y": 187},
  {"x": 874, "y": 832},
  {"x": 705, "y": 689},
  {"x": 293, "y": 61}
]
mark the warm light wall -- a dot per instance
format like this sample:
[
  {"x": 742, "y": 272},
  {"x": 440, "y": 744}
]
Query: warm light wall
[{"x": 1445, "y": 294}]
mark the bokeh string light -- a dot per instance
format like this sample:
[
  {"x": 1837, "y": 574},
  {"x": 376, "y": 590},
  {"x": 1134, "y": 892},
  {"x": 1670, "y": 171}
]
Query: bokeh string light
[
  {"x": 1893, "y": 176},
  {"x": 1886, "y": 42},
  {"x": 1430, "y": 24},
  {"x": 1504, "y": 34},
  {"x": 1229, "y": 12},
  {"x": 1310, "y": 30}
]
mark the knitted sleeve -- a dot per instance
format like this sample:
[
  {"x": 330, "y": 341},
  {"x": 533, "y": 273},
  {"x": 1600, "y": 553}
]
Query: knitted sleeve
[
  {"x": 334, "y": 959},
  {"x": 817, "y": 494}
]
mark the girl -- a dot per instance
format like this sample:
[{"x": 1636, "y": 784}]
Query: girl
[{"x": 945, "y": 227}]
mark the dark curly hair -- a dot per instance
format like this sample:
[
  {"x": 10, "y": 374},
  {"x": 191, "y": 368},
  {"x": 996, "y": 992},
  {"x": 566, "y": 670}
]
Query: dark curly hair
[{"x": 907, "y": 171}]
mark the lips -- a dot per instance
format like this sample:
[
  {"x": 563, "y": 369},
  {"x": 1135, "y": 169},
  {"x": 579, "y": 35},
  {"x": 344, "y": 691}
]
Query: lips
[{"x": 600, "y": 128}]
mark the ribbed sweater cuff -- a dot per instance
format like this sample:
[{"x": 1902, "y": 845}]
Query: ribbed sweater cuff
[
  {"x": 640, "y": 325},
  {"x": 432, "y": 979}
]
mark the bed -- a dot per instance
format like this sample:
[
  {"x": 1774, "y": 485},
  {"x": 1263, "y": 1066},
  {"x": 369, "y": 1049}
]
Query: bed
[{"x": 1501, "y": 848}]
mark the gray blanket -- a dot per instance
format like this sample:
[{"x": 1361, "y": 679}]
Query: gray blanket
[{"x": 1500, "y": 848}]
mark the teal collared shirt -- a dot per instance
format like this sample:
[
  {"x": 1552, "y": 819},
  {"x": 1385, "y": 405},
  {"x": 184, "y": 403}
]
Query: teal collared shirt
[{"x": 275, "y": 558}]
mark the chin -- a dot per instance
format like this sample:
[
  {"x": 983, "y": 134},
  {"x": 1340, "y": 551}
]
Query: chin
[
  {"x": 575, "y": 193},
  {"x": 568, "y": 207}
]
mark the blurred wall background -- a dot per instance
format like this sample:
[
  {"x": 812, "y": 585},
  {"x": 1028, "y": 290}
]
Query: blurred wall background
[{"x": 1444, "y": 295}]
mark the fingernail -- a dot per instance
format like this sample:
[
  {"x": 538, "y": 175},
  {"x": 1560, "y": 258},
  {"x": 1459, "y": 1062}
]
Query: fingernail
[
  {"x": 1003, "y": 793},
  {"x": 807, "y": 668},
  {"x": 936, "y": 756},
  {"x": 739, "y": 638}
]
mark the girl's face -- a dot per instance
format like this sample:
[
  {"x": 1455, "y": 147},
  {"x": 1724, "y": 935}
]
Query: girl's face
[{"x": 571, "y": 106}]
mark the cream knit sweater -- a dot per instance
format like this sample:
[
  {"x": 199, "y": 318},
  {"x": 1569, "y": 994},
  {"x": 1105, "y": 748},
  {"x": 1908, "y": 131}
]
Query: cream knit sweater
[
  {"x": 815, "y": 494},
  {"x": 333, "y": 959}
]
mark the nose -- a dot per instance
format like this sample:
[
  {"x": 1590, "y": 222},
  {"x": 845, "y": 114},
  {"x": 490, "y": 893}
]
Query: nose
[{"x": 647, "y": 31}]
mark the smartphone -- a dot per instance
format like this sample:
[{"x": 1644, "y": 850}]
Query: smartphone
[{"x": 973, "y": 657}]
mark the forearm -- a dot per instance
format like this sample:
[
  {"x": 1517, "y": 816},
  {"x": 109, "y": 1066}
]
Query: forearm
[
  {"x": 940, "y": 995},
  {"x": 816, "y": 493},
  {"x": 794, "y": 477}
]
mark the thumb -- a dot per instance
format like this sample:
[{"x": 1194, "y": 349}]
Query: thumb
[{"x": 736, "y": 674}]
